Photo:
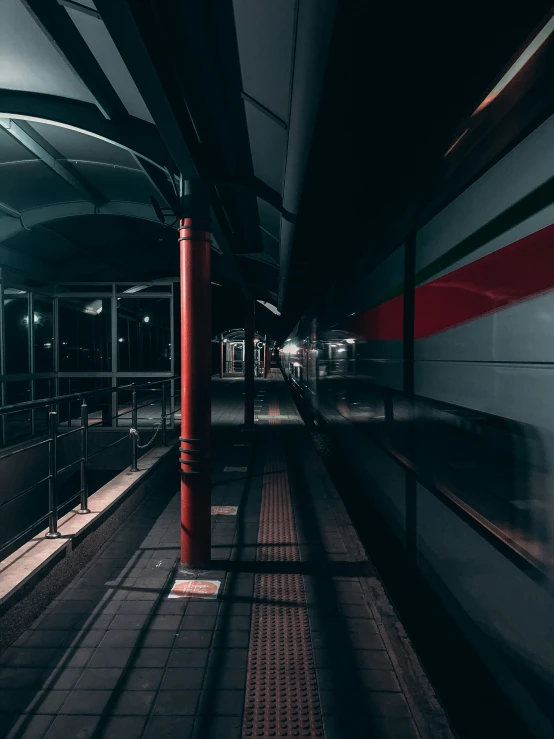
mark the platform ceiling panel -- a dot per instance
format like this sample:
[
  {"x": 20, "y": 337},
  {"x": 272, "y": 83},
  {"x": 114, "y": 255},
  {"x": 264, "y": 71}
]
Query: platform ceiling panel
[
  {"x": 117, "y": 183},
  {"x": 106, "y": 233},
  {"x": 46, "y": 186},
  {"x": 271, "y": 246},
  {"x": 75, "y": 145},
  {"x": 268, "y": 144},
  {"x": 265, "y": 36},
  {"x": 43, "y": 244},
  {"x": 28, "y": 60},
  {"x": 99, "y": 41},
  {"x": 11, "y": 151},
  {"x": 270, "y": 218}
]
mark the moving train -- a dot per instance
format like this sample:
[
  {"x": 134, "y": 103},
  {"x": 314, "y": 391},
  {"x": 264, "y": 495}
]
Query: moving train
[{"x": 434, "y": 373}]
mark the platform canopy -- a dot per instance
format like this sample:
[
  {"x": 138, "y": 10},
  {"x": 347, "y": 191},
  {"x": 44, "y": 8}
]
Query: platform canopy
[{"x": 105, "y": 104}]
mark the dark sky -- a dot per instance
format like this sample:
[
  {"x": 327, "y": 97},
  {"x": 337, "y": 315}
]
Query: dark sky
[{"x": 401, "y": 78}]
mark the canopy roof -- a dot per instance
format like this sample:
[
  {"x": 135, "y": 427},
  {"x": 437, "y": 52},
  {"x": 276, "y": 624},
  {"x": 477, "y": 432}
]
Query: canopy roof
[{"x": 104, "y": 104}]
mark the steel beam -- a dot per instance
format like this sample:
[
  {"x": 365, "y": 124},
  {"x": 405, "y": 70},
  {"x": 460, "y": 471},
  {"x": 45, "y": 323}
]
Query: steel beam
[
  {"x": 58, "y": 27},
  {"x": 9, "y": 211},
  {"x": 249, "y": 364},
  {"x": 166, "y": 105},
  {"x": 35, "y": 144}
]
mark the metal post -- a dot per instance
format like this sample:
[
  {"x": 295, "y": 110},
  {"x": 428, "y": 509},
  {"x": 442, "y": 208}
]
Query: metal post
[
  {"x": 164, "y": 413},
  {"x": 221, "y": 356},
  {"x": 84, "y": 459},
  {"x": 194, "y": 242},
  {"x": 134, "y": 432},
  {"x": 266, "y": 356},
  {"x": 53, "y": 532},
  {"x": 249, "y": 365}
]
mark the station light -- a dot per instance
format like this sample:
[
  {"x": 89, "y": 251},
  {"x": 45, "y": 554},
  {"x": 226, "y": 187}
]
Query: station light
[
  {"x": 146, "y": 319},
  {"x": 350, "y": 341},
  {"x": 121, "y": 341}
]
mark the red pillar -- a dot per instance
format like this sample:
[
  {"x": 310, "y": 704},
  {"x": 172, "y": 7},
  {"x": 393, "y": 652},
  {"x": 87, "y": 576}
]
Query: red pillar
[
  {"x": 249, "y": 364},
  {"x": 194, "y": 240},
  {"x": 221, "y": 356}
]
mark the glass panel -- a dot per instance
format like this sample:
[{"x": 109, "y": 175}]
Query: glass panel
[
  {"x": 149, "y": 400},
  {"x": 43, "y": 389},
  {"x": 143, "y": 335},
  {"x": 18, "y": 425},
  {"x": 16, "y": 322},
  {"x": 99, "y": 406},
  {"x": 141, "y": 288},
  {"x": 91, "y": 288},
  {"x": 85, "y": 334},
  {"x": 44, "y": 334}
]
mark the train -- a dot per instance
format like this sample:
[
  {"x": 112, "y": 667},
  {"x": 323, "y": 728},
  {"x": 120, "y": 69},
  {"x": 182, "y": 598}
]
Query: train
[{"x": 433, "y": 371}]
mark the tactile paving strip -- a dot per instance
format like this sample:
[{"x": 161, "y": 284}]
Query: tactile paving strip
[{"x": 281, "y": 686}]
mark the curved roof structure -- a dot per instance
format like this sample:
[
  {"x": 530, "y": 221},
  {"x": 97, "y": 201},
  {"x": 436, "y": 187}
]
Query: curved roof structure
[{"x": 104, "y": 105}]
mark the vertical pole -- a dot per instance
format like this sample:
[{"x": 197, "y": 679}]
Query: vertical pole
[
  {"x": 221, "y": 356},
  {"x": 266, "y": 356},
  {"x": 164, "y": 413},
  {"x": 84, "y": 458},
  {"x": 31, "y": 337},
  {"x": 53, "y": 532},
  {"x": 134, "y": 432},
  {"x": 196, "y": 357},
  {"x": 114, "y": 396},
  {"x": 249, "y": 364},
  {"x": 408, "y": 347}
]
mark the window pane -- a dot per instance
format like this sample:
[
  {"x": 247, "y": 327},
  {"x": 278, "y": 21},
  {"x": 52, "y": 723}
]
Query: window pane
[
  {"x": 143, "y": 335},
  {"x": 16, "y": 322},
  {"x": 84, "y": 334},
  {"x": 18, "y": 425},
  {"x": 44, "y": 334}
]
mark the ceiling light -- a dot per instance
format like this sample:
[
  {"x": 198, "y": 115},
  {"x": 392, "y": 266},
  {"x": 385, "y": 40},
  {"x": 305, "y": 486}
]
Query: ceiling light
[{"x": 135, "y": 288}]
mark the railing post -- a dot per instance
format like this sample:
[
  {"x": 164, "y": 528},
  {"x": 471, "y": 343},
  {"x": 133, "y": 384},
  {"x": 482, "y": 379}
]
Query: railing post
[
  {"x": 164, "y": 413},
  {"x": 53, "y": 532},
  {"x": 84, "y": 458},
  {"x": 134, "y": 432}
]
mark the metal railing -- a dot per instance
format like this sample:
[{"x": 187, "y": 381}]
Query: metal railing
[{"x": 52, "y": 405}]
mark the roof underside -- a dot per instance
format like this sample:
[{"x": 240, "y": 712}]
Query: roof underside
[{"x": 103, "y": 105}]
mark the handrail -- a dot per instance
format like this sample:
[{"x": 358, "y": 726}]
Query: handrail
[
  {"x": 52, "y": 438},
  {"x": 59, "y": 399}
]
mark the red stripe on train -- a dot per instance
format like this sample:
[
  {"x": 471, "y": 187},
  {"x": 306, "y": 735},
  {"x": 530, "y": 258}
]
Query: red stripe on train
[{"x": 514, "y": 273}]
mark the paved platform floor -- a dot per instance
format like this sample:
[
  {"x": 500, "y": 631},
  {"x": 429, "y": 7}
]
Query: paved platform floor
[{"x": 301, "y": 641}]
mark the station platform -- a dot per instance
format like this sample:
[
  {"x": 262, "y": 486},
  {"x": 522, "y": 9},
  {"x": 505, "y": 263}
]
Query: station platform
[{"x": 290, "y": 633}]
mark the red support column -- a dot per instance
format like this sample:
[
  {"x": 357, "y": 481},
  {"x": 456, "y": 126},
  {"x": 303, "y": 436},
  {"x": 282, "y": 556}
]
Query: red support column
[
  {"x": 249, "y": 365},
  {"x": 196, "y": 357},
  {"x": 221, "y": 356}
]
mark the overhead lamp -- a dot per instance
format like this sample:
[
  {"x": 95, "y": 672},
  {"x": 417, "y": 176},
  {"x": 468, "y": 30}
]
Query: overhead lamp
[
  {"x": 350, "y": 341},
  {"x": 146, "y": 319},
  {"x": 136, "y": 288}
]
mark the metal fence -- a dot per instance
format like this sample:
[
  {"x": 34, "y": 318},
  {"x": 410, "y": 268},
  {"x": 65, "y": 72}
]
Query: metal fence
[{"x": 52, "y": 406}]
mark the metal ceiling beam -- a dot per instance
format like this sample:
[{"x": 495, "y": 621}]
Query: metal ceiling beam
[
  {"x": 73, "y": 5},
  {"x": 7, "y": 210},
  {"x": 35, "y": 144},
  {"x": 56, "y": 24},
  {"x": 159, "y": 183},
  {"x": 56, "y": 211},
  {"x": 167, "y": 107},
  {"x": 128, "y": 132}
]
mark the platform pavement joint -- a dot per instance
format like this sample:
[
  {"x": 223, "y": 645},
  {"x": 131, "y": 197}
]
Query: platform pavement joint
[{"x": 113, "y": 656}]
